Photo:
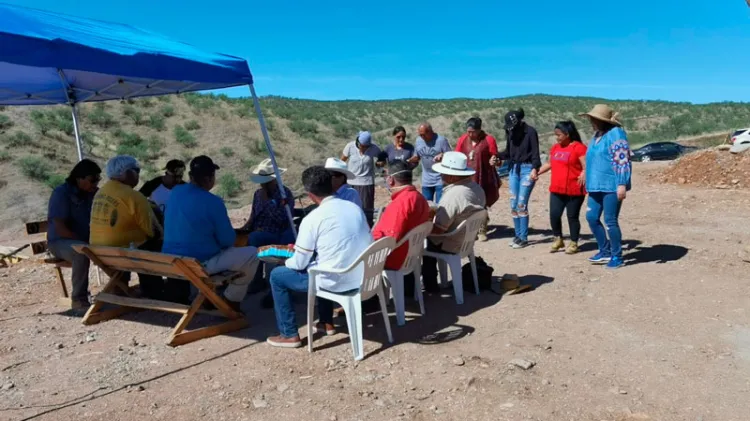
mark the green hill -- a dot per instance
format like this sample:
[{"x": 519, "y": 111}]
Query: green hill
[{"x": 37, "y": 146}]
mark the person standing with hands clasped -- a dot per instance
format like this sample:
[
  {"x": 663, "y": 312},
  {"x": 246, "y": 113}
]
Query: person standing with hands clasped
[
  {"x": 608, "y": 171},
  {"x": 567, "y": 160},
  {"x": 522, "y": 150},
  {"x": 361, "y": 157}
]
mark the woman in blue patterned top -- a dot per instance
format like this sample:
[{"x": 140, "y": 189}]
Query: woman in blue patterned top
[{"x": 608, "y": 170}]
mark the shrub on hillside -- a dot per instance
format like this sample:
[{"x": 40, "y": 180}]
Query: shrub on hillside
[
  {"x": 5, "y": 156},
  {"x": 136, "y": 146},
  {"x": 156, "y": 122},
  {"x": 184, "y": 137},
  {"x": 227, "y": 151},
  {"x": 54, "y": 180},
  {"x": 167, "y": 111},
  {"x": 164, "y": 98},
  {"x": 40, "y": 121},
  {"x": 5, "y": 122},
  {"x": 55, "y": 119},
  {"x": 192, "y": 125},
  {"x": 229, "y": 186},
  {"x": 35, "y": 168},
  {"x": 146, "y": 102},
  {"x": 304, "y": 128},
  {"x": 101, "y": 118},
  {"x": 18, "y": 139},
  {"x": 134, "y": 114}
]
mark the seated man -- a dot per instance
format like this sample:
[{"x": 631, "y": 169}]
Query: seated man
[
  {"x": 196, "y": 224},
  {"x": 337, "y": 232},
  {"x": 408, "y": 209},
  {"x": 339, "y": 176},
  {"x": 122, "y": 217},
  {"x": 461, "y": 198},
  {"x": 268, "y": 223},
  {"x": 68, "y": 215},
  {"x": 158, "y": 189}
]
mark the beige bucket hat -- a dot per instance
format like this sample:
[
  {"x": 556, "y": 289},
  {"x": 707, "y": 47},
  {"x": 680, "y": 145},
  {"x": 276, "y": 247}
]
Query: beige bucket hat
[{"x": 603, "y": 112}]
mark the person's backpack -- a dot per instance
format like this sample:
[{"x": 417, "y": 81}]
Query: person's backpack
[{"x": 484, "y": 275}]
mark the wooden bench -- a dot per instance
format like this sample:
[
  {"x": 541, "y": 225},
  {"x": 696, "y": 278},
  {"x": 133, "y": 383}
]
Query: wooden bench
[
  {"x": 40, "y": 247},
  {"x": 115, "y": 262}
]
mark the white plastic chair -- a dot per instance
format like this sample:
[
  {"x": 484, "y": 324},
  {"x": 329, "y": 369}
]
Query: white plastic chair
[
  {"x": 412, "y": 264},
  {"x": 469, "y": 229},
  {"x": 373, "y": 259}
]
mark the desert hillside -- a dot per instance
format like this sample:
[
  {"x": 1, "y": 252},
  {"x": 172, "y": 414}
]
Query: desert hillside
[{"x": 37, "y": 146}]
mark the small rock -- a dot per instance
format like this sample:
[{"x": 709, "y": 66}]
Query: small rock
[
  {"x": 521, "y": 363},
  {"x": 8, "y": 386},
  {"x": 507, "y": 405},
  {"x": 433, "y": 408},
  {"x": 458, "y": 361},
  {"x": 333, "y": 418},
  {"x": 260, "y": 403},
  {"x": 140, "y": 388},
  {"x": 282, "y": 388},
  {"x": 682, "y": 180},
  {"x": 618, "y": 391},
  {"x": 59, "y": 346},
  {"x": 545, "y": 382},
  {"x": 90, "y": 337},
  {"x": 735, "y": 181}
]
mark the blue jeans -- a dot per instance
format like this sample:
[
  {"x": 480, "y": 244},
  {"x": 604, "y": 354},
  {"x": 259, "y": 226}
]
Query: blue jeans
[
  {"x": 284, "y": 281},
  {"x": 259, "y": 239},
  {"x": 433, "y": 193},
  {"x": 608, "y": 204},
  {"x": 520, "y": 185}
]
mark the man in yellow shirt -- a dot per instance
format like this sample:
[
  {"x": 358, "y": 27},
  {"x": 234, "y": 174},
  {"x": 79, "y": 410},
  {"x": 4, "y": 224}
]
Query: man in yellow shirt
[{"x": 122, "y": 217}]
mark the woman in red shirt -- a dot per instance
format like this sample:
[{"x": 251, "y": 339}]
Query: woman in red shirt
[
  {"x": 567, "y": 160},
  {"x": 479, "y": 147}
]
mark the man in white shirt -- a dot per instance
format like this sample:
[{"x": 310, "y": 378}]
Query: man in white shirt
[
  {"x": 339, "y": 176},
  {"x": 333, "y": 236}
]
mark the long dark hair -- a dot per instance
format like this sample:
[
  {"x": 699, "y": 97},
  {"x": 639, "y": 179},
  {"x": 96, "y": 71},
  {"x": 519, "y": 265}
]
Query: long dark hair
[
  {"x": 83, "y": 169},
  {"x": 398, "y": 129},
  {"x": 569, "y": 128}
]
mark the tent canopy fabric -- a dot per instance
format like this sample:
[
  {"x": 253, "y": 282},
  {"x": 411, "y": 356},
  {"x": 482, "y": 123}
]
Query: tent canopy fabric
[{"x": 49, "y": 58}]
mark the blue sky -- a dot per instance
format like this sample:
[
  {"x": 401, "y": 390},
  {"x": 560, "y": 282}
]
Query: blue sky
[{"x": 685, "y": 50}]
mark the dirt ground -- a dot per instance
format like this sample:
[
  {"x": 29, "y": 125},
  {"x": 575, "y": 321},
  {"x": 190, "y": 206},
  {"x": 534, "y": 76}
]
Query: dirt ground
[{"x": 665, "y": 338}]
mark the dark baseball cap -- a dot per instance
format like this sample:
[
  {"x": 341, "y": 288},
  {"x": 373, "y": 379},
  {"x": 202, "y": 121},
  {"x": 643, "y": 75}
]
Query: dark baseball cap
[
  {"x": 202, "y": 165},
  {"x": 174, "y": 165}
]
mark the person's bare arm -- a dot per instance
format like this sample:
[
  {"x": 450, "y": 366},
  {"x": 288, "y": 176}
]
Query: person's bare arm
[
  {"x": 344, "y": 158},
  {"x": 582, "y": 177},
  {"x": 546, "y": 167}
]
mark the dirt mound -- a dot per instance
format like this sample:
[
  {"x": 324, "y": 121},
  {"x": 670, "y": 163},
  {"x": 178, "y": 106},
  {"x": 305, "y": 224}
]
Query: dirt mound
[{"x": 710, "y": 168}]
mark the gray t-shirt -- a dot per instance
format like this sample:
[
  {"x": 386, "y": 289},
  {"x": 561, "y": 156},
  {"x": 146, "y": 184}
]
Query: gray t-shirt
[
  {"x": 403, "y": 154},
  {"x": 427, "y": 152},
  {"x": 361, "y": 165}
]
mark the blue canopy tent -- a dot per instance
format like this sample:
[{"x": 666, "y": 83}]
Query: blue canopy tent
[{"x": 50, "y": 58}]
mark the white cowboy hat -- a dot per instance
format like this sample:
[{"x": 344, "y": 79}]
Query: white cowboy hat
[
  {"x": 339, "y": 166},
  {"x": 263, "y": 172},
  {"x": 453, "y": 163}
]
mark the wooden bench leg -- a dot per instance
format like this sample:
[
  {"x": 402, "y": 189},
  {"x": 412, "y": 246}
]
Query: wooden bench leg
[
  {"x": 207, "y": 332},
  {"x": 93, "y": 315},
  {"x": 58, "y": 272}
]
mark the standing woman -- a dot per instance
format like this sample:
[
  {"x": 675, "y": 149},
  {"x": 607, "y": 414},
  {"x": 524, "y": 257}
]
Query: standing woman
[
  {"x": 567, "y": 160},
  {"x": 480, "y": 148},
  {"x": 400, "y": 149},
  {"x": 522, "y": 150},
  {"x": 608, "y": 170}
]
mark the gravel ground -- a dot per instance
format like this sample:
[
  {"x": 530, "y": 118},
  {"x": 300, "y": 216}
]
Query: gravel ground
[{"x": 665, "y": 338}]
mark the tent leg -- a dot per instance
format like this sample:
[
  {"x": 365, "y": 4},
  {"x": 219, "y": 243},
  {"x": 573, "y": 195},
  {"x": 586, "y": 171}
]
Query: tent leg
[
  {"x": 267, "y": 139},
  {"x": 77, "y": 130}
]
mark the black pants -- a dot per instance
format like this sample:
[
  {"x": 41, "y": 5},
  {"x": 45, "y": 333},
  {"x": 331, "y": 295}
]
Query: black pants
[
  {"x": 429, "y": 268},
  {"x": 572, "y": 204},
  {"x": 151, "y": 286}
]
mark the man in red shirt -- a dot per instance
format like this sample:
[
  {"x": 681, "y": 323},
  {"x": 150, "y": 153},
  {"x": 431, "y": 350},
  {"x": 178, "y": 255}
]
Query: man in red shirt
[{"x": 408, "y": 209}]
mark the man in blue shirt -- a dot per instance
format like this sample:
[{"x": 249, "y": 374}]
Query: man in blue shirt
[
  {"x": 339, "y": 176},
  {"x": 430, "y": 148},
  {"x": 196, "y": 224},
  {"x": 68, "y": 215}
]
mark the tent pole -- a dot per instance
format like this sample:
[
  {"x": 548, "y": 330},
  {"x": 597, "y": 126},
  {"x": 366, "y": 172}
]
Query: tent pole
[
  {"x": 77, "y": 130},
  {"x": 267, "y": 139}
]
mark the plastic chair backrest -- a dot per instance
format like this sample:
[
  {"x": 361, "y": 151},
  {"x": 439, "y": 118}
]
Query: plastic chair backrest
[
  {"x": 373, "y": 259},
  {"x": 472, "y": 227},
  {"x": 415, "y": 238}
]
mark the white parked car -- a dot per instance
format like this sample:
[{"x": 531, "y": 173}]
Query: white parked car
[{"x": 740, "y": 140}]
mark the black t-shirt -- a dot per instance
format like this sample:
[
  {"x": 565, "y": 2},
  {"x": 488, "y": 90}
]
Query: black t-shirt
[{"x": 148, "y": 188}]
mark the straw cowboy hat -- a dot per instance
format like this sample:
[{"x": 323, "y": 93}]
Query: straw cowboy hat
[
  {"x": 339, "y": 166},
  {"x": 603, "y": 112},
  {"x": 263, "y": 172},
  {"x": 453, "y": 163}
]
